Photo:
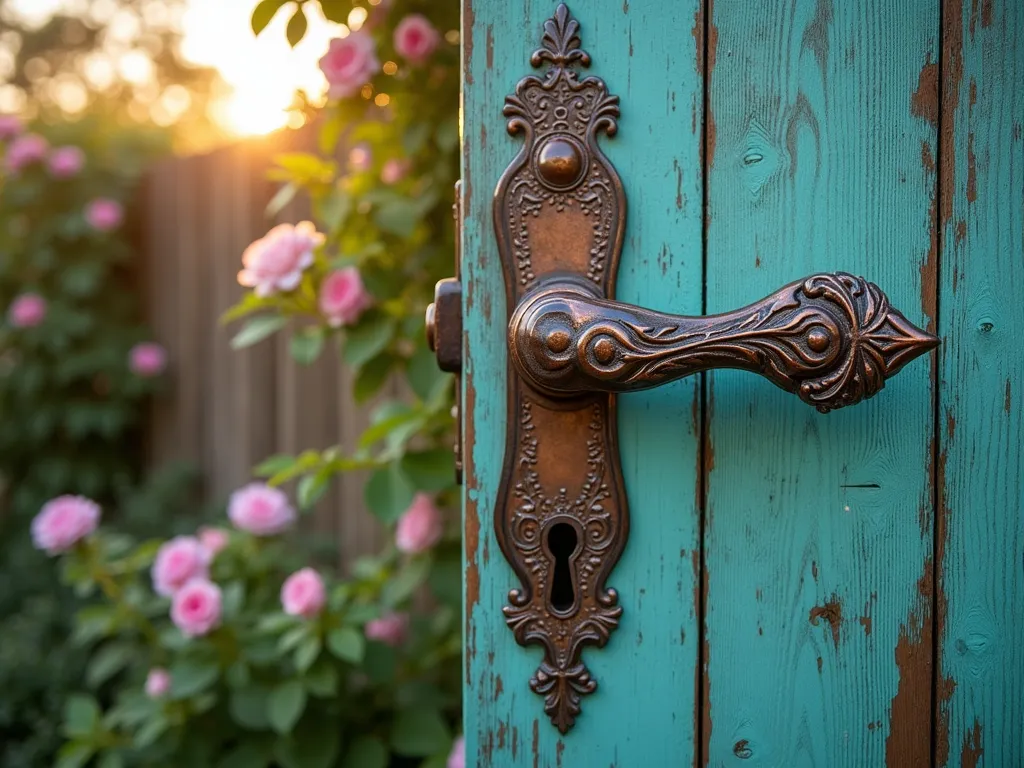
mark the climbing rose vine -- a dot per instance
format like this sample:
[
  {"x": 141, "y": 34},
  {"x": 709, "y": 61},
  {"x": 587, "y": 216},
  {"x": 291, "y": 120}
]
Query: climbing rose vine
[{"x": 231, "y": 645}]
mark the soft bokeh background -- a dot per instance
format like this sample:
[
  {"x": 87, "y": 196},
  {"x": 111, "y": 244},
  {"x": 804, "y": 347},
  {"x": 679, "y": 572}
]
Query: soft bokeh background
[
  {"x": 154, "y": 380},
  {"x": 191, "y": 63}
]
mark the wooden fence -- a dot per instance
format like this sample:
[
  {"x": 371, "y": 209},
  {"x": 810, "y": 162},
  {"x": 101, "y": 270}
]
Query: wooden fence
[{"x": 225, "y": 411}]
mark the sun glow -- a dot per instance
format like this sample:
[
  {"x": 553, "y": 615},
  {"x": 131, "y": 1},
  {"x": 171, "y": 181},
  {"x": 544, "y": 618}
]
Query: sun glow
[{"x": 262, "y": 72}]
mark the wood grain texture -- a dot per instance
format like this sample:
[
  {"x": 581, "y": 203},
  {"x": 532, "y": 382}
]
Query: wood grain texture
[
  {"x": 819, "y": 528},
  {"x": 643, "y": 712},
  {"x": 981, "y": 525}
]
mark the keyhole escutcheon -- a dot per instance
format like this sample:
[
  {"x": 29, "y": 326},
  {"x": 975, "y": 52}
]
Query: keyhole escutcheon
[{"x": 563, "y": 545}]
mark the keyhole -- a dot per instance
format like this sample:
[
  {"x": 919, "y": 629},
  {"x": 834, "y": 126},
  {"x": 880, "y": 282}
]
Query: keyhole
[{"x": 562, "y": 541}]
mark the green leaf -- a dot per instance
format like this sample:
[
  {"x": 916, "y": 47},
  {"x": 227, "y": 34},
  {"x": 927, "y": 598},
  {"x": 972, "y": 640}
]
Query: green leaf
[
  {"x": 386, "y": 420},
  {"x": 306, "y": 344},
  {"x": 81, "y": 714},
  {"x": 423, "y": 372},
  {"x": 297, "y": 25},
  {"x": 107, "y": 662},
  {"x": 347, "y": 644},
  {"x": 192, "y": 676},
  {"x": 368, "y": 339},
  {"x": 233, "y": 599},
  {"x": 81, "y": 279},
  {"x": 150, "y": 732},
  {"x": 285, "y": 705},
  {"x": 336, "y": 10},
  {"x": 111, "y": 760},
  {"x": 304, "y": 167},
  {"x": 398, "y": 217},
  {"x": 307, "y": 652},
  {"x": 257, "y": 329},
  {"x": 432, "y": 470},
  {"x": 445, "y": 581},
  {"x": 293, "y": 637},
  {"x": 419, "y": 732},
  {"x": 379, "y": 663},
  {"x": 263, "y": 14},
  {"x": 248, "y": 706},
  {"x": 371, "y": 377},
  {"x": 366, "y": 752},
  {"x": 273, "y": 465},
  {"x": 312, "y": 488},
  {"x": 406, "y": 581},
  {"x": 74, "y": 755},
  {"x": 314, "y": 744},
  {"x": 245, "y": 755},
  {"x": 388, "y": 493},
  {"x": 322, "y": 678}
]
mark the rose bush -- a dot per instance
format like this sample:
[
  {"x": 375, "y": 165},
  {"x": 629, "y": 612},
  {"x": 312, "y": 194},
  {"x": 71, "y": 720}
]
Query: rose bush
[
  {"x": 71, "y": 401},
  {"x": 227, "y": 647},
  {"x": 230, "y": 652}
]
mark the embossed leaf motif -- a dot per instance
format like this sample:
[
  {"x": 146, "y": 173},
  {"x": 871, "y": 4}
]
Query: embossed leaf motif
[{"x": 561, "y": 41}]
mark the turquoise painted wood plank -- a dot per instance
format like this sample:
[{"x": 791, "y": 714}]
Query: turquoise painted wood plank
[
  {"x": 819, "y": 528},
  {"x": 643, "y": 712},
  {"x": 981, "y": 523}
]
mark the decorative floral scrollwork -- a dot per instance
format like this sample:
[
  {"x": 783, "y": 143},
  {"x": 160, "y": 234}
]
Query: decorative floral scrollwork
[{"x": 833, "y": 339}]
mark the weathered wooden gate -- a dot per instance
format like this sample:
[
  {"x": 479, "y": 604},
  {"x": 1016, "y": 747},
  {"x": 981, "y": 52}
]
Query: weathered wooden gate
[{"x": 797, "y": 589}]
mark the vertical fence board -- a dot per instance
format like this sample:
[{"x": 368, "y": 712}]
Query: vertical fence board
[
  {"x": 980, "y": 677},
  {"x": 819, "y": 528}
]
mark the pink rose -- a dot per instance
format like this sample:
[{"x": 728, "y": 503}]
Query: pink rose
[
  {"x": 348, "y": 64},
  {"x": 158, "y": 683},
  {"x": 420, "y": 527},
  {"x": 195, "y": 609},
  {"x": 178, "y": 562},
  {"x": 147, "y": 359},
  {"x": 65, "y": 162},
  {"x": 457, "y": 757},
  {"x": 394, "y": 171},
  {"x": 27, "y": 310},
  {"x": 360, "y": 158},
  {"x": 416, "y": 38},
  {"x": 390, "y": 629},
  {"x": 10, "y": 126},
  {"x": 343, "y": 297},
  {"x": 104, "y": 214},
  {"x": 276, "y": 261},
  {"x": 64, "y": 521},
  {"x": 260, "y": 510},
  {"x": 26, "y": 149},
  {"x": 303, "y": 594},
  {"x": 213, "y": 539}
]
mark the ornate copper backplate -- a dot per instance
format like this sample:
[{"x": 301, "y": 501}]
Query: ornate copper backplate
[{"x": 560, "y": 207}]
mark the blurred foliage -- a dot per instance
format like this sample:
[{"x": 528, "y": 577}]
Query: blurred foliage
[
  {"x": 70, "y": 410},
  {"x": 265, "y": 687},
  {"x": 119, "y": 58}
]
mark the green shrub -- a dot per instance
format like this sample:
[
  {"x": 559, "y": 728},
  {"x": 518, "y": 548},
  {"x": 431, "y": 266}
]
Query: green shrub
[{"x": 70, "y": 405}]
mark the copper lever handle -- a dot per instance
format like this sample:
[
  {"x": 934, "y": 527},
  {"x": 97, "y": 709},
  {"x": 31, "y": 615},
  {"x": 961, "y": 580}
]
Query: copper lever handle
[{"x": 832, "y": 339}]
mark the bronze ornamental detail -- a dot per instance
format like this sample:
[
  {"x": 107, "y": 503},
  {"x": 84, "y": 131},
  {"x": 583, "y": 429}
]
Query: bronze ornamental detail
[{"x": 562, "y": 517}]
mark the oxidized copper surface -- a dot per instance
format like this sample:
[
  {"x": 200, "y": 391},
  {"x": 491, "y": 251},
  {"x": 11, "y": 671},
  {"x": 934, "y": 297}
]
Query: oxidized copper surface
[
  {"x": 560, "y": 207},
  {"x": 833, "y": 339}
]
